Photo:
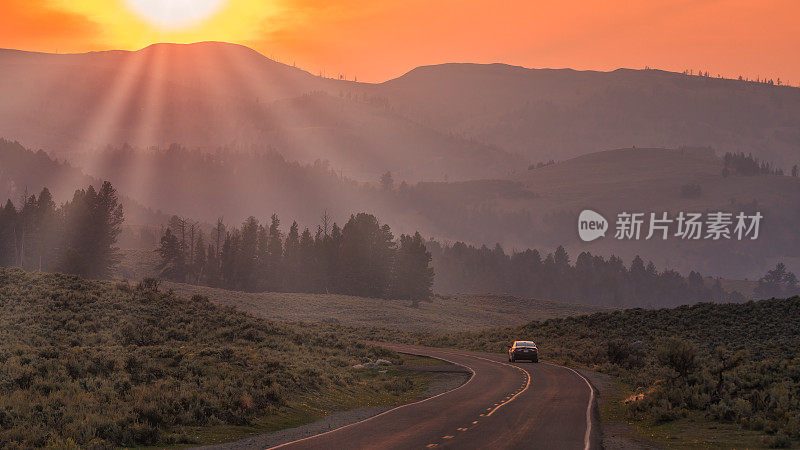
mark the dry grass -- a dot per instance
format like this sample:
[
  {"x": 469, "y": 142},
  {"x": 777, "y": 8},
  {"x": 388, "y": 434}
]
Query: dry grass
[
  {"x": 451, "y": 313},
  {"x": 89, "y": 364}
]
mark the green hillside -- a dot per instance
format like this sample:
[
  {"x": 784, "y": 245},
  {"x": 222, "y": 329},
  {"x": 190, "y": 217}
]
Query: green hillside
[{"x": 87, "y": 364}]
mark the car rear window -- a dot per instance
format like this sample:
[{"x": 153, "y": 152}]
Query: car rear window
[{"x": 525, "y": 344}]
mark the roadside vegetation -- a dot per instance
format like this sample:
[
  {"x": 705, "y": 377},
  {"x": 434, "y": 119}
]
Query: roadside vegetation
[
  {"x": 443, "y": 313},
  {"x": 102, "y": 365},
  {"x": 725, "y": 363}
]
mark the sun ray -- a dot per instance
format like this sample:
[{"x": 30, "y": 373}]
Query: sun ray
[
  {"x": 108, "y": 117},
  {"x": 148, "y": 128}
]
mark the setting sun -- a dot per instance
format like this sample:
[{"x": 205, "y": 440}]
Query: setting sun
[
  {"x": 175, "y": 14},
  {"x": 134, "y": 24}
]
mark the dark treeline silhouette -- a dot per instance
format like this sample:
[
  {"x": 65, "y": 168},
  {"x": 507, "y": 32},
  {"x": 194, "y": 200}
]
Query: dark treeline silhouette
[
  {"x": 362, "y": 258},
  {"x": 591, "y": 279},
  {"x": 777, "y": 283},
  {"x": 78, "y": 237},
  {"x": 748, "y": 165}
]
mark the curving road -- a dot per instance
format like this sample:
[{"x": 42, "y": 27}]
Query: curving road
[{"x": 503, "y": 406}]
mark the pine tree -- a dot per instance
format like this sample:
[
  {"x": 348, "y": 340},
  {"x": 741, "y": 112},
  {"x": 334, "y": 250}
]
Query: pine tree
[
  {"x": 247, "y": 263},
  {"x": 212, "y": 275},
  {"x": 45, "y": 230},
  {"x": 413, "y": 274},
  {"x": 8, "y": 221},
  {"x": 274, "y": 275},
  {"x": 310, "y": 266},
  {"x": 199, "y": 261},
  {"x": 173, "y": 261},
  {"x": 331, "y": 255},
  {"x": 291, "y": 260},
  {"x": 109, "y": 217},
  {"x": 366, "y": 257},
  {"x": 387, "y": 182}
]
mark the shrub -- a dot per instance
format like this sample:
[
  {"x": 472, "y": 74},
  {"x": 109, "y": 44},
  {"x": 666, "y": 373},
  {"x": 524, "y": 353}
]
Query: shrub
[
  {"x": 149, "y": 363},
  {"x": 679, "y": 355}
]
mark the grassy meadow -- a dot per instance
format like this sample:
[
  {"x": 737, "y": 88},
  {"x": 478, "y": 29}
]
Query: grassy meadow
[
  {"x": 449, "y": 313},
  {"x": 88, "y": 364}
]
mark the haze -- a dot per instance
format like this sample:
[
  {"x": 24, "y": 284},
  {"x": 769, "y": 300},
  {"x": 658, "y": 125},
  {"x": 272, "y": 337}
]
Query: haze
[{"x": 376, "y": 41}]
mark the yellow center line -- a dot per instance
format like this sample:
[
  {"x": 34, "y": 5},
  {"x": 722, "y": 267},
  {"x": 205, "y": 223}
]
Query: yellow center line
[{"x": 526, "y": 386}]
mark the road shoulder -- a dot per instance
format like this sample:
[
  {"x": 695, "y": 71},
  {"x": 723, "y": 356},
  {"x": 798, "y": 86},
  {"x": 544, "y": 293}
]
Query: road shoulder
[
  {"x": 443, "y": 381},
  {"x": 614, "y": 433}
]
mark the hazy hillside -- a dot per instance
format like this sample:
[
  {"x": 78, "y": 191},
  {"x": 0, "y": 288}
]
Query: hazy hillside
[
  {"x": 25, "y": 171},
  {"x": 211, "y": 95},
  {"x": 537, "y": 208},
  {"x": 652, "y": 180},
  {"x": 452, "y": 120},
  {"x": 556, "y": 114}
]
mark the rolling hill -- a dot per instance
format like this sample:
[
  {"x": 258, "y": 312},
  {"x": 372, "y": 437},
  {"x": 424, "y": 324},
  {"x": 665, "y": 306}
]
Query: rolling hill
[
  {"x": 213, "y": 95},
  {"x": 273, "y": 138},
  {"x": 455, "y": 121},
  {"x": 539, "y": 208},
  {"x": 546, "y": 114}
]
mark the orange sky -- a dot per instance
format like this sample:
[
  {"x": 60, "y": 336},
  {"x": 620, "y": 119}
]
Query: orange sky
[{"x": 382, "y": 39}]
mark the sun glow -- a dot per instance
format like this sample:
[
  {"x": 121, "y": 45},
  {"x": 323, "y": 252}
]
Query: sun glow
[
  {"x": 135, "y": 24},
  {"x": 175, "y": 14}
]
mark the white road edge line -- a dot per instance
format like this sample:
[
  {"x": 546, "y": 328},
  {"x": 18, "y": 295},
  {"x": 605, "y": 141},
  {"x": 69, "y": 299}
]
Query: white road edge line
[
  {"x": 587, "y": 436},
  {"x": 386, "y": 412}
]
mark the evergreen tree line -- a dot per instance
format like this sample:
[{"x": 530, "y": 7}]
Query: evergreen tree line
[
  {"x": 591, "y": 279},
  {"x": 362, "y": 258},
  {"x": 78, "y": 237},
  {"x": 748, "y": 165},
  {"x": 777, "y": 283}
]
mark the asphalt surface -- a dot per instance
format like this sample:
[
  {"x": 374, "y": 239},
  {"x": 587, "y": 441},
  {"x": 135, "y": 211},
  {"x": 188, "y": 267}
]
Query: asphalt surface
[{"x": 503, "y": 406}]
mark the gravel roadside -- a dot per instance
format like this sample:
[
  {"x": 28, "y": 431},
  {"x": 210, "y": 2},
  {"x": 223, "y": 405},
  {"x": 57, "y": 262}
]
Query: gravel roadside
[{"x": 443, "y": 381}]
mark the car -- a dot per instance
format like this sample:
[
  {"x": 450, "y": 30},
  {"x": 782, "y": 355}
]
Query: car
[{"x": 523, "y": 350}]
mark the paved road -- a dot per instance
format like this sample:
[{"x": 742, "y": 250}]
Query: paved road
[{"x": 503, "y": 406}]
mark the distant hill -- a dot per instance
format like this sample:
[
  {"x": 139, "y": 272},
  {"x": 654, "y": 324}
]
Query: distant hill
[
  {"x": 212, "y": 95},
  {"x": 547, "y": 114},
  {"x": 454, "y": 121},
  {"x": 539, "y": 208}
]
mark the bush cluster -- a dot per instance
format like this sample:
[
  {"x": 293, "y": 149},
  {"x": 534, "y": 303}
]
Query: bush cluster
[{"x": 102, "y": 365}]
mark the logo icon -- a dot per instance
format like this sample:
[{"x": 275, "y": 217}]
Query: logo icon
[{"x": 591, "y": 225}]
